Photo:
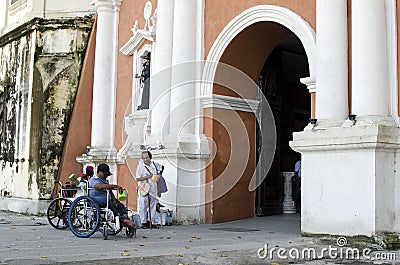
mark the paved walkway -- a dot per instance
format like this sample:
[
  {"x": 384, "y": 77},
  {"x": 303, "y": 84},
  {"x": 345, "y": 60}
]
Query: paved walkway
[{"x": 30, "y": 240}]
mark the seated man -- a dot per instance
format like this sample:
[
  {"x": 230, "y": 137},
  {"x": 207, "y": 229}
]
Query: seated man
[{"x": 100, "y": 185}]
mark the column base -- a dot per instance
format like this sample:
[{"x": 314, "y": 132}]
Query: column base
[
  {"x": 374, "y": 120},
  {"x": 187, "y": 146},
  {"x": 322, "y": 124},
  {"x": 348, "y": 178},
  {"x": 98, "y": 155},
  {"x": 289, "y": 206}
]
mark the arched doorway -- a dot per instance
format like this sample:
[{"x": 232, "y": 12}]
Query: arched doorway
[
  {"x": 290, "y": 103},
  {"x": 246, "y": 44},
  {"x": 269, "y": 50}
]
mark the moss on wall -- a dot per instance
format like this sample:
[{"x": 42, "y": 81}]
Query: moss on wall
[{"x": 52, "y": 83}]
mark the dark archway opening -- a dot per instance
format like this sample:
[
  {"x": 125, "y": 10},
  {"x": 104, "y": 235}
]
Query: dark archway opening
[{"x": 290, "y": 103}]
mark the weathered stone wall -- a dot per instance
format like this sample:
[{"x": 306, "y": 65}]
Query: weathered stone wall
[
  {"x": 15, "y": 71},
  {"x": 39, "y": 72}
]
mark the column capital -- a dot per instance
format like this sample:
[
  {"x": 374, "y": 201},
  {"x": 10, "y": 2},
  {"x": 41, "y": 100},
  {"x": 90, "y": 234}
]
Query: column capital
[
  {"x": 117, "y": 4},
  {"x": 310, "y": 83},
  {"x": 106, "y": 5}
]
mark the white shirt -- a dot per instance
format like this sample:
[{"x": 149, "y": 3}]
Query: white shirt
[
  {"x": 297, "y": 167},
  {"x": 142, "y": 172}
]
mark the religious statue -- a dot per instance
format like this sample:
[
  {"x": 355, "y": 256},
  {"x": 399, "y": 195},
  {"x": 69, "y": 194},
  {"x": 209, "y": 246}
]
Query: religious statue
[{"x": 144, "y": 81}]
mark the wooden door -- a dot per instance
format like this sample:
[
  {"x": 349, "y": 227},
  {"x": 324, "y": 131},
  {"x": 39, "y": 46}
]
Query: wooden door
[{"x": 269, "y": 196}]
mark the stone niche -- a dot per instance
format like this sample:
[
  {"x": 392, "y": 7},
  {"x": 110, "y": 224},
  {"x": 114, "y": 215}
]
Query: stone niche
[{"x": 40, "y": 68}]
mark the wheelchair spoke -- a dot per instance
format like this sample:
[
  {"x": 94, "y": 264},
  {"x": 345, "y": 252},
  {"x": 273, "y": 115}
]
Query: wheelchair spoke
[
  {"x": 83, "y": 217},
  {"x": 57, "y": 213}
]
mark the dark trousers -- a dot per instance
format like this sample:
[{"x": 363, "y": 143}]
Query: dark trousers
[
  {"x": 118, "y": 210},
  {"x": 296, "y": 191},
  {"x": 144, "y": 103}
]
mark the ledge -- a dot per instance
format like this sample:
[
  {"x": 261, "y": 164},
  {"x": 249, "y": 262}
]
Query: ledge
[
  {"x": 375, "y": 136},
  {"x": 230, "y": 103},
  {"x": 21, "y": 205}
]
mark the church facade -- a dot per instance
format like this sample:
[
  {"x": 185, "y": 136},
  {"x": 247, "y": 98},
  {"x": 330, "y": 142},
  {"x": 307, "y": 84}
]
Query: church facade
[{"x": 227, "y": 94}]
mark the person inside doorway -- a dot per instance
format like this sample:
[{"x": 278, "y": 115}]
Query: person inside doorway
[
  {"x": 297, "y": 183},
  {"x": 144, "y": 81}
]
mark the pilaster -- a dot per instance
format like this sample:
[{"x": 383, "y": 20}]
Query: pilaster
[
  {"x": 370, "y": 87},
  {"x": 332, "y": 73},
  {"x": 104, "y": 85},
  {"x": 104, "y": 88},
  {"x": 183, "y": 79},
  {"x": 161, "y": 77}
]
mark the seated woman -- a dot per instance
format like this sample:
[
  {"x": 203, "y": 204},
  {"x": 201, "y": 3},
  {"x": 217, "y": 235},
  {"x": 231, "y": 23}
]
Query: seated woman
[{"x": 99, "y": 185}]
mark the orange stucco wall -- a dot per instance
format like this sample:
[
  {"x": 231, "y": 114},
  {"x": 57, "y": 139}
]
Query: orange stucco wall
[
  {"x": 208, "y": 131},
  {"x": 130, "y": 11},
  {"x": 234, "y": 161},
  {"x": 312, "y": 105},
  {"x": 218, "y": 13},
  {"x": 79, "y": 133},
  {"x": 248, "y": 52}
]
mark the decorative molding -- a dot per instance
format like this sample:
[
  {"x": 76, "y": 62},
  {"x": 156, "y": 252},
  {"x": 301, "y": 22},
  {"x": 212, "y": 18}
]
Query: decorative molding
[
  {"x": 105, "y": 5},
  {"x": 361, "y": 137},
  {"x": 140, "y": 35},
  {"x": 135, "y": 127},
  {"x": 310, "y": 83},
  {"x": 98, "y": 156},
  {"x": 230, "y": 103},
  {"x": 280, "y": 15},
  {"x": 134, "y": 42},
  {"x": 117, "y": 5},
  {"x": 122, "y": 153},
  {"x": 148, "y": 8}
]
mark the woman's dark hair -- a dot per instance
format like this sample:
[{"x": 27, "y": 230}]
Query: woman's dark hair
[{"x": 149, "y": 153}]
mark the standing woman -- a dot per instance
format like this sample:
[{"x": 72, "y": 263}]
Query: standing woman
[{"x": 148, "y": 203}]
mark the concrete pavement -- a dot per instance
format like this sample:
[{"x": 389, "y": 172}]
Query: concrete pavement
[{"x": 31, "y": 240}]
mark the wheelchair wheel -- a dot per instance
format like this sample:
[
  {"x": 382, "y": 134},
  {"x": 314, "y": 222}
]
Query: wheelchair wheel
[
  {"x": 57, "y": 213},
  {"x": 109, "y": 224},
  {"x": 84, "y": 216}
]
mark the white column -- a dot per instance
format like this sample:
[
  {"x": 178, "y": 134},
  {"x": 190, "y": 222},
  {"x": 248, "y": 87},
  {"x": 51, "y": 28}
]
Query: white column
[
  {"x": 332, "y": 72},
  {"x": 161, "y": 77},
  {"x": 104, "y": 85},
  {"x": 370, "y": 89},
  {"x": 289, "y": 205},
  {"x": 183, "y": 75}
]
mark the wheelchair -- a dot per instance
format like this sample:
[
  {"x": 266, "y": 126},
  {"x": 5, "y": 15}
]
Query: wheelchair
[
  {"x": 57, "y": 212},
  {"x": 85, "y": 217}
]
